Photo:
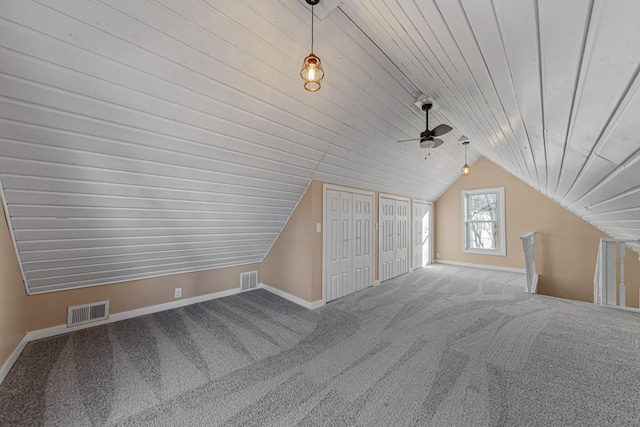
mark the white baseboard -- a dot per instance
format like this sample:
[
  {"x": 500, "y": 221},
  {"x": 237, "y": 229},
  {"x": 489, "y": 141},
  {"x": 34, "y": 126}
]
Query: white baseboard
[
  {"x": 63, "y": 329},
  {"x": 12, "y": 359},
  {"x": 376, "y": 283},
  {"x": 617, "y": 307},
  {"x": 292, "y": 298},
  {"x": 484, "y": 266}
]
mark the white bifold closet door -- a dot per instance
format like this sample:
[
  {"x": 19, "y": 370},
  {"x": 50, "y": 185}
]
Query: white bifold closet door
[
  {"x": 422, "y": 217},
  {"x": 394, "y": 237},
  {"x": 348, "y": 242}
]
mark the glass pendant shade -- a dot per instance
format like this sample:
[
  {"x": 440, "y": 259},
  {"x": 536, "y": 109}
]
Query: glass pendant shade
[
  {"x": 466, "y": 169},
  {"x": 312, "y": 73}
]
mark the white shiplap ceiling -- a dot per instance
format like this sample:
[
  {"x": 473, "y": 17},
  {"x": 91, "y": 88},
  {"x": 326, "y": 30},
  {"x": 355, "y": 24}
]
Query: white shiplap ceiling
[
  {"x": 140, "y": 138},
  {"x": 547, "y": 89}
]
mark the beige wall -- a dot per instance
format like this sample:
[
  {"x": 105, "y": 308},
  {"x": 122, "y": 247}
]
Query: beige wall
[
  {"x": 288, "y": 266},
  {"x": 316, "y": 241},
  {"x": 50, "y": 309},
  {"x": 566, "y": 246},
  {"x": 632, "y": 279},
  {"x": 632, "y": 271},
  {"x": 13, "y": 298}
]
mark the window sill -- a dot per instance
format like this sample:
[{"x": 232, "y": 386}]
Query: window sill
[{"x": 485, "y": 252}]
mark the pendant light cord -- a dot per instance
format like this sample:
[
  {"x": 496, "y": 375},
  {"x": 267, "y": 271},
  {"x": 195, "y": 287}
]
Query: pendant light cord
[{"x": 311, "y": 28}]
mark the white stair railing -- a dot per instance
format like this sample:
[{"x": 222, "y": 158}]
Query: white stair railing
[
  {"x": 530, "y": 262},
  {"x": 608, "y": 287}
]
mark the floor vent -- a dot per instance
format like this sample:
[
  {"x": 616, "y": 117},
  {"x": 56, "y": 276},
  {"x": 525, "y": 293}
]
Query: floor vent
[
  {"x": 249, "y": 280},
  {"x": 87, "y": 313}
]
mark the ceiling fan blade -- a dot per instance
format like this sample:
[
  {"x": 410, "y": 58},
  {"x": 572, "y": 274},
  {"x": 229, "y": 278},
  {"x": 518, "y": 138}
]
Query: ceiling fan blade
[
  {"x": 441, "y": 130},
  {"x": 407, "y": 140},
  {"x": 437, "y": 142}
]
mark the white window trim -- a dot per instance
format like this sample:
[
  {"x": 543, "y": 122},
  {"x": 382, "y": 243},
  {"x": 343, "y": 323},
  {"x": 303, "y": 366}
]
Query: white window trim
[{"x": 502, "y": 248}]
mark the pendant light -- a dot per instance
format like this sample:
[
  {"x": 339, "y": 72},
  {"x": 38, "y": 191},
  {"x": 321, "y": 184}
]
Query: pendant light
[
  {"x": 466, "y": 169},
  {"x": 312, "y": 72}
]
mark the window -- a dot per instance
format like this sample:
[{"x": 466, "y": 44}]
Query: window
[{"x": 483, "y": 228}]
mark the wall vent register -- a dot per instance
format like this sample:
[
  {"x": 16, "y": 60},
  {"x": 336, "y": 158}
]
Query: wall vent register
[
  {"x": 87, "y": 313},
  {"x": 248, "y": 280}
]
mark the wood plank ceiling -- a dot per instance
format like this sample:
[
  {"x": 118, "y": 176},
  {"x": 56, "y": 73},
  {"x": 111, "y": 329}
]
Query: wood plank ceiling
[
  {"x": 147, "y": 137},
  {"x": 546, "y": 89}
]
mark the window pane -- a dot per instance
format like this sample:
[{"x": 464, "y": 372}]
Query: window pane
[
  {"x": 482, "y": 235},
  {"x": 482, "y": 207}
]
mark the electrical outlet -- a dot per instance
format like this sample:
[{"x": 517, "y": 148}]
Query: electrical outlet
[
  {"x": 178, "y": 293},
  {"x": 437, "y": 254},
  {"x": 318, "y": 227}
]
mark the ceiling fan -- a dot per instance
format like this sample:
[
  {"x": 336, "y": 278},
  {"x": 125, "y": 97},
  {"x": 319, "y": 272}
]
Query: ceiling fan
[{"x": 427, "y": 139}]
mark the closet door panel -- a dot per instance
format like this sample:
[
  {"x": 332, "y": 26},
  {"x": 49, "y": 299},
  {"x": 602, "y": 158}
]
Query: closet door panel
[
  {"x": 332, "y": 252},
  {"x": 348, "y": 242},
  {"x": 402, "y": 237},
  {"x": 346, "y": 247},
  {"x": 388, "y": 242}
]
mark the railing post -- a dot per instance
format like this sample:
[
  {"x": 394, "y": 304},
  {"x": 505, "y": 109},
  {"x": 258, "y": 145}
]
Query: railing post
[
  {"x": 530, "y": 262},
  {"x": 622, "y": 297},
  {"x": 609, "y": 266},
  {"x": 609, "y": 285}
]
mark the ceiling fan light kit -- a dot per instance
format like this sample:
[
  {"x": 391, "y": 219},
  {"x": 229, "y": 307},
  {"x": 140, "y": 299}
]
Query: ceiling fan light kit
[{"x": 312, "y": 72}]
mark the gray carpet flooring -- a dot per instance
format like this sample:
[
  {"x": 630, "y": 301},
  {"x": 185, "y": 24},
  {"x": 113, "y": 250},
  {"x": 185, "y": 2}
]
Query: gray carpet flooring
[{"x": 442, "y": 346}]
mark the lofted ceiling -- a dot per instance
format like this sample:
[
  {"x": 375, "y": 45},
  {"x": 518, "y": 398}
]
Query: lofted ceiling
[{"x": 147, "y": 137}]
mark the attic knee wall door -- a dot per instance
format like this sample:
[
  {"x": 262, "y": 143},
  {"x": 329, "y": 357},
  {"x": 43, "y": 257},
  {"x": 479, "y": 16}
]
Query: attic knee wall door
[
  {"x": 348, "y": 242},
  {"x": 394, "y": 237}
]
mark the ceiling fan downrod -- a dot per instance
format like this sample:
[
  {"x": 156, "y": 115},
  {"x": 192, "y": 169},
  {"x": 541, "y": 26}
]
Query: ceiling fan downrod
[{"x": 426, "y": 108}]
